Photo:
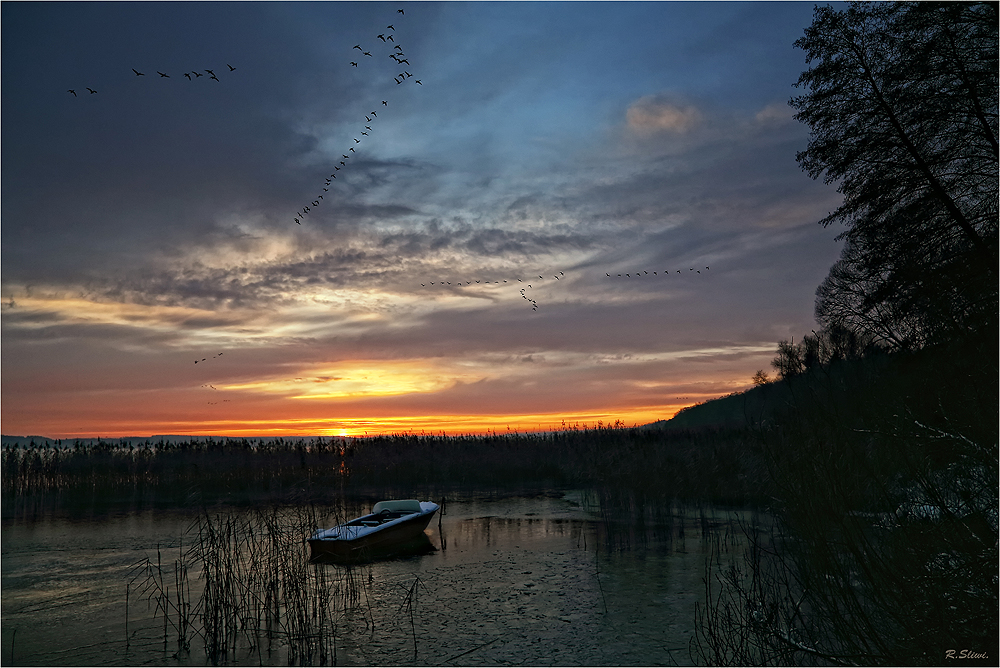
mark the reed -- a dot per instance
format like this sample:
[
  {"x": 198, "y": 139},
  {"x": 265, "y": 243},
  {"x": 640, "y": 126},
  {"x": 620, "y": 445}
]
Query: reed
[
  {"x": 705, "y": 465},
  {"x": 255, "y": 590}
]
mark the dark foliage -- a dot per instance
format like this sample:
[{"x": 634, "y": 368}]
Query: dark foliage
[
  {"x": 885, "y": 465},
  {"x": 901, "y": 102},
  {"x": 884, "y": 551}
]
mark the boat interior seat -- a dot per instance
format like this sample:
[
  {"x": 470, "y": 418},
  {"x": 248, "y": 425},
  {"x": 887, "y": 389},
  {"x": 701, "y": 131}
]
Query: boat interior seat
[{"x": 404, "y": 506}]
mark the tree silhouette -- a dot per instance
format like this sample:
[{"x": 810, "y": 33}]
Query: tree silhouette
[
  {"x": 788, "y": 362},
  {"x": 902, "y": 105}
]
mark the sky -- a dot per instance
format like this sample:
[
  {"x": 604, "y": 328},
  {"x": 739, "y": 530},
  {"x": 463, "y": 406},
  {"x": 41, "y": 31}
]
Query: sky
[{"x": 550, "y": 213}]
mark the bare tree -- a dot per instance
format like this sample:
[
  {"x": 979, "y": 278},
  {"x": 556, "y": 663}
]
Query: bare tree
[{"x": 788, "y": 362}]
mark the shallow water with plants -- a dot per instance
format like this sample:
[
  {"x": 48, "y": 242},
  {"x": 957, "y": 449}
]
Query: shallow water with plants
[{"x": 549, "y": 578}]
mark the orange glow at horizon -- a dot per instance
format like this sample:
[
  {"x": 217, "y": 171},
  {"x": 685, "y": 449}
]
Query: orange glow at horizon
[
  {"x": 450, "y": 425},
  {"x": 264, "y": 387}
]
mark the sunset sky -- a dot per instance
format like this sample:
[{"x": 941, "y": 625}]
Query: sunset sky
[{"x": 152, "y": 223}]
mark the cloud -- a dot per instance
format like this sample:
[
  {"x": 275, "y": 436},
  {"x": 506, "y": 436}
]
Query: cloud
[
  {"x": 653, "y": 113},
  {"x": 775, "y": 113}
]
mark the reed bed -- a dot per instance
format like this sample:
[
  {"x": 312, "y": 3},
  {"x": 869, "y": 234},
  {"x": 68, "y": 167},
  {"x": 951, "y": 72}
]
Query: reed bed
[
  {"x": 718, "y": 466},
  {"x": 243, "y": 587}
]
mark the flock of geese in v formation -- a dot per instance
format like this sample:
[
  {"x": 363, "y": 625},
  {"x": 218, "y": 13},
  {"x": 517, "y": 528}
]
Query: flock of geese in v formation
[
  {"x": 396, "y": 53},
  {"x": 387, "y": 46},
  {"x": 393, "y": 50}
]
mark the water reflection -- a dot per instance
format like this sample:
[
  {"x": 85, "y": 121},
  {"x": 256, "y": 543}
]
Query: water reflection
[
  {"x": 498, "y": 581},
  {"x": 410, "y": 548}
]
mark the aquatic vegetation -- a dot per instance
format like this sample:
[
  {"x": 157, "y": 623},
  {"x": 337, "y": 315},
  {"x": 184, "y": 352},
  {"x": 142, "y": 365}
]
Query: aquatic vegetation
[
  {"x": 634, "y": 465},
  {"x": 254, "y": 590}
]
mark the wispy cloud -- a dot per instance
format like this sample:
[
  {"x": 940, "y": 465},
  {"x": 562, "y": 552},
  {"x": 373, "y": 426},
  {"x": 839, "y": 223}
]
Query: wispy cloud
[
  {"x": 157, "y": 224},
  {"x": 651, "y": 114}
]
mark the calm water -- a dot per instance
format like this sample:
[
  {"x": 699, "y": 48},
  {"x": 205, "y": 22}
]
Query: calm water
[{"x": 522, "y": 581}]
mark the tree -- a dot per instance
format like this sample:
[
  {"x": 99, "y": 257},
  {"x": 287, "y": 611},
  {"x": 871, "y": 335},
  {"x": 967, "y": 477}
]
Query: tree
[
  {"x": 788, "y": 363},
  {"x": 901, "y": 102},
  {"x": 761, "y": 378},
  {"x": 851, "y": 299}
]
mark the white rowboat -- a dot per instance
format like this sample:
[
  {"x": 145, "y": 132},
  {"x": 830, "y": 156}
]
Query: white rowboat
[{"x": 391, "y": 526}]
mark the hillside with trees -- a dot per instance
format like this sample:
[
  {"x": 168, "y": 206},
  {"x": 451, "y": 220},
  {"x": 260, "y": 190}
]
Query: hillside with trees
[{"x": 882, "y": 451}]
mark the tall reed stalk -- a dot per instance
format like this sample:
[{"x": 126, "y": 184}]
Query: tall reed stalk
[{"x": 257, "y": 591}]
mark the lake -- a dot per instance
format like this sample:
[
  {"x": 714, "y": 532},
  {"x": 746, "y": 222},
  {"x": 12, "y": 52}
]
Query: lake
[{"x": 538, "y": 580}]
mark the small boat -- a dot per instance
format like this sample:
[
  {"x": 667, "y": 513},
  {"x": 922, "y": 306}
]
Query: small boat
[{"x": 393, "y": 527}]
